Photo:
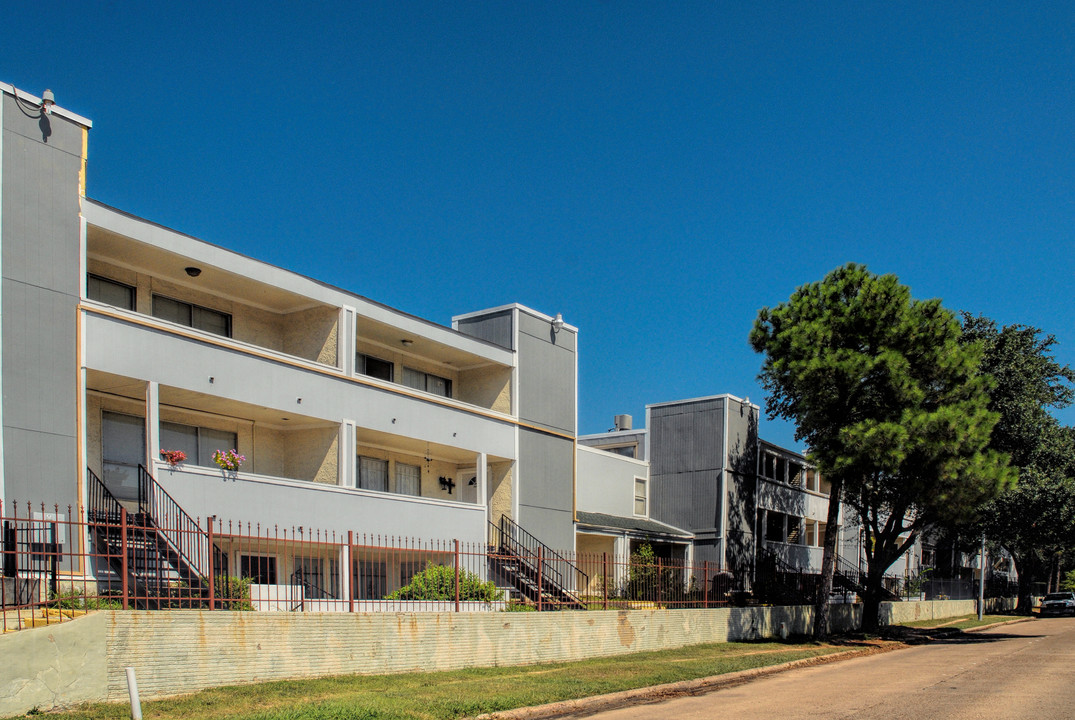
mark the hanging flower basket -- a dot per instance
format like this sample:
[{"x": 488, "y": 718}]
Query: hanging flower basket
[
  {"x": 173, "y": 457},
  {"x": 229, "y": 460}
]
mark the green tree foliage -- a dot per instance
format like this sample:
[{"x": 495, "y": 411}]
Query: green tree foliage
[
  {"x": 1035, "y": 521},
  {"x": 892, "y": 406},
  {"x": 437, "y": 582}
]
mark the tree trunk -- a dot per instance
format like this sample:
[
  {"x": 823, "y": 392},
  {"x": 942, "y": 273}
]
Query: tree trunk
[
  {"x": 871, "y": 600},
  {"x": 1022, "y": 604},
  {"x": 828, "y": 561}
]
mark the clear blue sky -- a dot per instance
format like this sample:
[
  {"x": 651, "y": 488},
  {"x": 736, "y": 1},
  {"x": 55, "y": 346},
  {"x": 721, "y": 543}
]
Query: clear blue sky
[{"x": 654, "y": 171}]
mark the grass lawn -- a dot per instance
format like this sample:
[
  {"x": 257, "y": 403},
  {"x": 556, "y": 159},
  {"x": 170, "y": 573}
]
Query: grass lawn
[
  {"x": 460, "y": 693},
  {"x": 964, "y": 622}
]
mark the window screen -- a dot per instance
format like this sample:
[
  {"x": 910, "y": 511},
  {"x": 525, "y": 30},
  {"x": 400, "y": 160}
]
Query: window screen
[
  {"x": 408, "y": 479},
  {"x": 372, "y": 474},
  {"x": 109, "y": 291}
]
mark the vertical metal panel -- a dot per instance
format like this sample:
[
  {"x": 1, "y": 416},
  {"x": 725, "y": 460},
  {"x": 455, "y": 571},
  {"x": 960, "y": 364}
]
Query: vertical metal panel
[
  {"x": 495, "y": 328},
  {"x": 40, "y": 265},
  {"x": 686, "y": 443},
  {"x": 546, "y": 384}
]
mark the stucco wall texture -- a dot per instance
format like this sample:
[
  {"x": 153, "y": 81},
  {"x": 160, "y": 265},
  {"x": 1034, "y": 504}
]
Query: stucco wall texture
[{"x": 181, "y": 651}]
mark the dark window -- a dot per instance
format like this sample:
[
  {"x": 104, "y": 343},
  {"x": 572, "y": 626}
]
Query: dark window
[
  {"x": 194, "y": 316},
  {"x": 374, "y": 367},
  {"x": 626, "y": 450},
  {"x": 198, "y": 443},
  {"x": 259, "y": 568},
  {"x": 774, "y": 527},
  {"x": 426, "y": 381},
  {"x": 370, "y": 580},
  {"x": 109, "y": 291}
]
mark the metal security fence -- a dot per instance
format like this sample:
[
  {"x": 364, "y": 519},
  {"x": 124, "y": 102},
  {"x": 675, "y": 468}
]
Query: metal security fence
[{"x": 59, "y": 563}]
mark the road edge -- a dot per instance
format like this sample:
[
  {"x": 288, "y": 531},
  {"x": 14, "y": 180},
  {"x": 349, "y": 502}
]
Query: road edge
[{"x": 658, "y": 693}]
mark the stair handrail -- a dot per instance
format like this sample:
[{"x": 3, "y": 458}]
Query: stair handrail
[
  {"x": 553, "y": 564},
  {"x": 103, "y": 504},
  {"x": 179, "y": 530}
]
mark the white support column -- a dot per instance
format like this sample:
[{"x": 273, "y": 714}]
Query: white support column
[
  {"x": 345, "y": 341},
  {"x": 481, "y": 467},
  {"x": 153, "y": 441},
  {"x": 345, "y": 473}
]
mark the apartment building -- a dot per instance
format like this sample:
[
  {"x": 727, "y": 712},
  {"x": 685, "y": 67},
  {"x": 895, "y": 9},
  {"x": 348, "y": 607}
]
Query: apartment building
[{"x": 124, "y": 341}]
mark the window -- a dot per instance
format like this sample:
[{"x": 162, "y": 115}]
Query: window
[
  {"x": 261, "y": 569},
  {"x": 372, "y": 474},
  {"x": 823, "y": 485},
  {"x": 408, "y": 569},
  {"x": 768, "y": 466},
  {"x": 640, "y": 496},
  {"x": 369, "y": 580},
  {"x": 109, "y": 291},
  {"x": 625, "y": 450},
  {"x": 425, "y": 381},
  {"x": 795, "y": 474},
  {"x": 197, "y": 442},
  {"x": 123, "y": 449},
  {"x": 811, "y": 533},
  {"x": 194, "y": 316},
  {"x": 774, "y": 527},
  {"x": 408, "y": 479},
  {"x": 318, "y": 581},
  {"x": 781, "y": 469},
  {"x": 374, "y": 367},
  {"x": 811, "y": 479}
]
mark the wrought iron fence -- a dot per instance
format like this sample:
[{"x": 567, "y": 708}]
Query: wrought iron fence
[{"x": 61, "y": 563}]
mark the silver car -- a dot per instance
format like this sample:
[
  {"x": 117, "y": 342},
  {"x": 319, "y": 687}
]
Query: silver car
[{"x": 1058, "y": 603}]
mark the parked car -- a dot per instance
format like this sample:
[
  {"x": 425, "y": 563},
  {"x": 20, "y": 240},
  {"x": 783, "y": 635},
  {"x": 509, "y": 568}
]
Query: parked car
[{"x": 1058, "y": 603}]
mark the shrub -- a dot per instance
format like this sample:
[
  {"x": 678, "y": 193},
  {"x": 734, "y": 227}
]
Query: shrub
[{"x": 437, "y": 582}]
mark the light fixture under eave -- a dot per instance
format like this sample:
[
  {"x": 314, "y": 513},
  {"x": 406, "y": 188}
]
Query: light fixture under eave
[
  {"x": 558, "y": 323},
  {"x": 47, "y": 101},
  {"x": 407, "y": 342},
  {"x": 193, "y": 271}
]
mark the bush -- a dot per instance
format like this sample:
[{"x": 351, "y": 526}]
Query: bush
[
  {"x": 437, "y": 582},
  {"x": 72, "y": 599},
  {"x": 233, "y": 593}
]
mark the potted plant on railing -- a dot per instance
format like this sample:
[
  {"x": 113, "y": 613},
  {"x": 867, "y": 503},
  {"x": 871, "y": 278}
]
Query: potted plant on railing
[
  {"x": 229, "y": 460},
  {"x": 174, "y": 458}
]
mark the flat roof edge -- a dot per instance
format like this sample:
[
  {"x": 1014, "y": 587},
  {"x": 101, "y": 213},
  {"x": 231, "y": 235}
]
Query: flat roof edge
[{"x": 56, "y": 109}]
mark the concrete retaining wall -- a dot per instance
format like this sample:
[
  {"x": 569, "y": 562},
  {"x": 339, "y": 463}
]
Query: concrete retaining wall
[
  {"x": 54, "y": 666},
  {"x": 181, "y": 651},
  {"x": 894, "y": 613}
]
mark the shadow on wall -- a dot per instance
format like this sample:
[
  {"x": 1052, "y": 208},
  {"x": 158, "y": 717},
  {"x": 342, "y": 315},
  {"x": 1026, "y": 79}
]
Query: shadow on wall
[{"x": 760, "y": 623}]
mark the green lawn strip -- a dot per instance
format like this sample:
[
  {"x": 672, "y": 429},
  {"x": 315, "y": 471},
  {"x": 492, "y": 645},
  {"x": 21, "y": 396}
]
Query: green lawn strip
[
  {"x": 961, "y": 623},
  {"x": 459, "y": 693}
]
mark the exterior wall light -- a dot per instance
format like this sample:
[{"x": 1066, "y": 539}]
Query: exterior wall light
[
  {"x": 193, "y": 271},
  {"x": 47, "y": 101},
  {"x": 558, "y": 323}
]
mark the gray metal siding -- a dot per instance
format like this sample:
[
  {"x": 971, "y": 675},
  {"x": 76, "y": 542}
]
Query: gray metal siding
[
  {"x": 546, "y": 488},
  {"x": 40, "y": 246},
  {"x": 495, "y": 328},
  {"x": 686, "y": 465}
]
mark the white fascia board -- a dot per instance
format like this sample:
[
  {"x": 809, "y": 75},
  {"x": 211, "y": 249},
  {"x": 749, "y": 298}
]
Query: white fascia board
[
  {"x": 727, "y": 396},
  {"x": 511, "y": 306},
  {"x": 56, "y": 109},
  {"x": 616, "y": 458},
  {"x": 150, "y": 233},
  {"x": 794, "y": 453},
  {"x": 614, "y": 435}
]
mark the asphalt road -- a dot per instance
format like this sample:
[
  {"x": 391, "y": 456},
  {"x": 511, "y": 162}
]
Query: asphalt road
[{"x": 1024, "y": 670}]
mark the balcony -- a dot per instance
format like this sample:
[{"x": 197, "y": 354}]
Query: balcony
[{"x": 175, "y": 284}]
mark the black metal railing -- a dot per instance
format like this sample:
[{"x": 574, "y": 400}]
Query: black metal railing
[
  {"x": 542, "y": 572},
  {"x": 182, "y": 533}
]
